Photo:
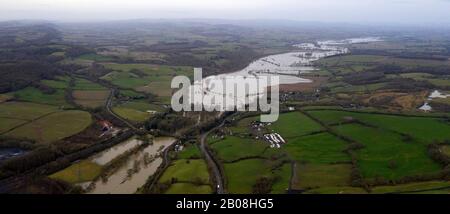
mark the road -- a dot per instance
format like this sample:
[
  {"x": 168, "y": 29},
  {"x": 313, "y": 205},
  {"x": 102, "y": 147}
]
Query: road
[
  {"x": 218, "y": 177},
  {"x": 108, "y": 108}
]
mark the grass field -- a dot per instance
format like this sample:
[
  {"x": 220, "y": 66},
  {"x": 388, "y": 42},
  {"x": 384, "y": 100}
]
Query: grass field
[
  {"x": 386, "y": 154},
  {"x": 60, "y": 82},
  {"x": 311, "y": 176},
  {"x": 142, "y": 105},
  {"x": 131, "y": 94},
  {"x": 9, "y": 123},
  {"x": 24, "y": 110},
  {"x": 132, "y": 114},
  {"x": 90, "y": 99},
  {"x": 84, "y": 84},
  {"x": 422, "y": 186},
  {"x": 370, "y": 60},
  {"x": 241, "y": 176},
  {"x": 234, "y": 148},
  {"x": 282, "y": 179},
  {"x": 54, "y": 127},
  {"x": 186, "y": 171},
  {"x": 294, "y": 124},
  {"x": 190, "y": 152},
  {"x": 322, "y": 148},
  {"x": 242, "y": 126},
  {"x": 188, "y": 174},
  {"x": 34, "y": 95},
  {"x": 188, "y": 188},
  {"x": 150, "y": 79},
  {"x": 137, "y": 110},
  {"x": 423, "y": 129},
  {"x": 82, "y": 171}
]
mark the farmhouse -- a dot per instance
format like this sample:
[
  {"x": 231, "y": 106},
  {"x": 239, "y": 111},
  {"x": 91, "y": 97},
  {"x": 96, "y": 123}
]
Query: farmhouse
[{"x": 106, "y": 125}]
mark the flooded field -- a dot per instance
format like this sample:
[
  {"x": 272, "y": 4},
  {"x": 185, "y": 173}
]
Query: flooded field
[
  {"x": 434, "y": 95},
  {"x": 124, "y": 182},
  {"x": 288, "y": 67},
  {"x": 108, "y": 155},
  {"x": 121, "y": 169}
]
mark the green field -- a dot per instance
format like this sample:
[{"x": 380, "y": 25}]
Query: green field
[
  {"x": 370, "y": 60},
  {"x": 190, "y": 152},
  {"x": 137, "y": 110},
  {"x": 412, "y": 187},
  {"x": 311, "y": 176},
  {"x": 82, "y": 171},
  {"x": 9, "y": 123},
  {"x": 282, "y": 179},
  {"x": 60, "y": 82},
  {"x": 24, "y": 110},
  {"x": 90, "y": 99},
  {"x": 294, "y": 124},
  {"x": 84, "y": 84},
  {"x": 131, "y": 114},
  {"x": 186, "y": 171},
  {"x": 131, "y": 94},
  {"x": 423, "y": 129},
  {"x": 387, "y": 155},
  {"x": 243, "y": 125},
  {"x": 31, "y": 94},
  {"x": 148, "y": 78},
  {"x": 188, "y": 188},
  {"x": 142, "y": 105},
  {"x": 234, "y": 148},
  {"x": 53, "y": 127},
  {"x": 322, "y": 148},
  {"x": 241, "y": 176}
]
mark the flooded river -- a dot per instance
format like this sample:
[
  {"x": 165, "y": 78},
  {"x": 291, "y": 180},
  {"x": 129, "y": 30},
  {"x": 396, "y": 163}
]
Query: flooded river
[{"x": 288, "y": 67}]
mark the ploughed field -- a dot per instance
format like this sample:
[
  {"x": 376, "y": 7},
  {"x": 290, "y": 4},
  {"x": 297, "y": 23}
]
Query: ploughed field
[{"x": 335, "y": 151}]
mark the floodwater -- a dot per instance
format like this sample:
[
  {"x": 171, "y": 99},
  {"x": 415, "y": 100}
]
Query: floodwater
[
  {"x": 288, "y": 67},
  {"x": 434, "y": 95},
  {"x": 121, "y": 182},
  {"x": 7, "y": 153},
  {"x": 108, "y": 155},
  {"x": 438, "y": 94},
  {"x": 426, "y": 107}
]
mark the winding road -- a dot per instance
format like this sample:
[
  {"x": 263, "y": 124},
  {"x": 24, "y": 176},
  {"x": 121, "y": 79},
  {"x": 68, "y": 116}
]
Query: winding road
[{"x": 108, "y": 108}]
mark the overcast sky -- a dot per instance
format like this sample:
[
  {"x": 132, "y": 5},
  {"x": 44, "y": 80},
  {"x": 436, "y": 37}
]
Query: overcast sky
[{"x": 352, "y": 11}]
